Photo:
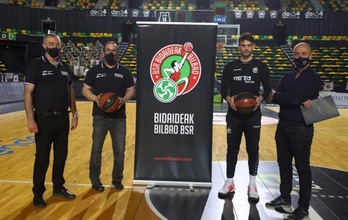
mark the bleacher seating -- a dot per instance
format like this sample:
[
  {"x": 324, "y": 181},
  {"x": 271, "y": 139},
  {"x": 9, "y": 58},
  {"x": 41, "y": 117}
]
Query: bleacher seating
[
  {"x": 167, "y": 5},
  {"x": 331, "y": 63},
  {"x": 115, "y": 5},
  {"x": 2, "y": 67},
  {"x": 184, "y": 5},
  {"x": 36, "y": 3},
  {"x": 254, "y": 5},
  {"x": 81, "y": 57},
  {"x": 299, "y": 5},
  {"x": 335, "y": 6},
  {"x": 129, "y": 58},
  {"x": 274, "y": 57},
  {"x": 85, "y": 4}
]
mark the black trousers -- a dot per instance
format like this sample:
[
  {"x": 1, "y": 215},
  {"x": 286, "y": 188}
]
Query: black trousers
[
  {"x": 53, "y": 129},
  {"x": 250, "y": 125},
  {"x": 294, "y": 140}
]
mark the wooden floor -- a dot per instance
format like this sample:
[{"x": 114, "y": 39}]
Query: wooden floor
[{"x": 17, "y": 151}]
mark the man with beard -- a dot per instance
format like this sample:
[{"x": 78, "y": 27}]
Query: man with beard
[{"x": 108, "y": 76}]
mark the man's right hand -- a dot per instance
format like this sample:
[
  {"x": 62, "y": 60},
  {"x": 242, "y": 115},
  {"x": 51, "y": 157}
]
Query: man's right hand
[
  {"x": 230, "y": 101},
  {"x": 32, "y": 126}
]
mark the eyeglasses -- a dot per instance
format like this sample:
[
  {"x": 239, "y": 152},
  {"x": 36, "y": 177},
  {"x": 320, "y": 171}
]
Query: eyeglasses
[{"x": 110, "y": 51}]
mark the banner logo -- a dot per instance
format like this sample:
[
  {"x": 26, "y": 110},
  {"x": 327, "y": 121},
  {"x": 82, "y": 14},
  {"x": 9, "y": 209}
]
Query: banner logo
[
  {"x": 238, "y": 14},
  {"x": 250, "y": 14},
  {"x": 146, "y": 13},
  {"x": 175, "y": 70},
  {"x": 135, "y": 13},
  {"x": 261, "y": 14},
  {"x": 315, "y": 15},
  {"x": 119, "y": 13},
  {"x": 98, "y": 13},
  {"x": 291, "y": 14},
  {"x": 273, "y": 14},
  {"x": 164, "y": 16}
]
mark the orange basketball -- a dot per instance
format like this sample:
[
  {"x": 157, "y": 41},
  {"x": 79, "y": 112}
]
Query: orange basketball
[
  {"x": 188, "y": 47},
  {"x": 245, "y": 102},
  {"x": 109, "y": 102}
]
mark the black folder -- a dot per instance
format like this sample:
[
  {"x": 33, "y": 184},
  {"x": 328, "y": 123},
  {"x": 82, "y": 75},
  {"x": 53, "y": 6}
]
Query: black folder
[{"x": 322, "y": 109}]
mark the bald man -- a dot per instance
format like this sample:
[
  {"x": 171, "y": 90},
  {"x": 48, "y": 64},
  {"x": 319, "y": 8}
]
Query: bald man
[{"x": 293, "y": 138}]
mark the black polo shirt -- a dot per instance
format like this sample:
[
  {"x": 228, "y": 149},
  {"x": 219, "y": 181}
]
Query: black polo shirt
[
  {"x": 51, "y": 92},
  {"x": 103, "y": 79}
]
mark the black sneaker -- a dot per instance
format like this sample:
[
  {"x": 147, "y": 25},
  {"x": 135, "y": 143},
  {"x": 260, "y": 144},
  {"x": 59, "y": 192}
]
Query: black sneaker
[
  {"x": 39, "y": 202},
  {"x": 63, "y": 192},
  {"x": 118, "y": 186},
  {"x": 299, "y": 213},
  {"x": 278, "y": 202}
]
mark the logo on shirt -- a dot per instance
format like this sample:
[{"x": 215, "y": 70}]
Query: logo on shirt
[
  {"x": 245, "y": 79},
  {"x": 47, "y": 73},
  {"x": 101, "y": 75},
  {"x": 117, "y": 75},
  {"x": 175, "y": 70},
  {"x": 64, "y": 73},
  {"x": 255, "y": 70},
  {"x": 242, "y": 78}
]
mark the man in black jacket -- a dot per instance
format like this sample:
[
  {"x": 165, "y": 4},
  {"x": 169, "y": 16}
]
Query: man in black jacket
[{"x": 293, "y": 137}]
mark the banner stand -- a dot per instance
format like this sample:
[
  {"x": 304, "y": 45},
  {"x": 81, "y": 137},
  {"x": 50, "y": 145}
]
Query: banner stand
[{"x": 174, "y": 112}]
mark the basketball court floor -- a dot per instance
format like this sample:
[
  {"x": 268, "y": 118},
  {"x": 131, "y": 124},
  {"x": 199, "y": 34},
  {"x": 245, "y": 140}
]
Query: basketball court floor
[{"x": 17, "y": 149}]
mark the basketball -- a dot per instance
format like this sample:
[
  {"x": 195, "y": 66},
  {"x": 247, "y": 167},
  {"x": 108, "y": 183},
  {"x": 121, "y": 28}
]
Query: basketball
[
  {"x": 109, "y": 102},
  {"x": 245, "y": 102},
  {"x": 188, "y": 47}
]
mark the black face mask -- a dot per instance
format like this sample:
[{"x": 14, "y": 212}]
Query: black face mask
[
  {"x": 110, "y": 58},
  {"x": 53, "y": 52},
  {"x": 301, "y": 62}
]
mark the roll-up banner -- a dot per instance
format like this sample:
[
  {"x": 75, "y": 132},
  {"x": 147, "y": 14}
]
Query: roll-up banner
[{"x": 176, "y": 65}]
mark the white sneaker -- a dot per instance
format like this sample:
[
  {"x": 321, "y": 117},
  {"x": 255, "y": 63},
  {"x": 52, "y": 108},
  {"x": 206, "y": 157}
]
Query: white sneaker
[
  {"x": 253, "y": 195},
  {"x": 227, "y": 189}
]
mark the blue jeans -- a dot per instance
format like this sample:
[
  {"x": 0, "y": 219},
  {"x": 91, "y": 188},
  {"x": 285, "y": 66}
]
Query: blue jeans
[{"x": 117, "y": 129}]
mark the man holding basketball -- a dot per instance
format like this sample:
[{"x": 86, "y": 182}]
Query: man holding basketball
[
  {"x": 108, "y": 76},
  {"x": 244, "y": 75},
  {"x": 293, "y": 138}
]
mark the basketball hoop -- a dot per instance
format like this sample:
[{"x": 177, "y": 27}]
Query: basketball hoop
[{"x": 220, "y": 45}]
